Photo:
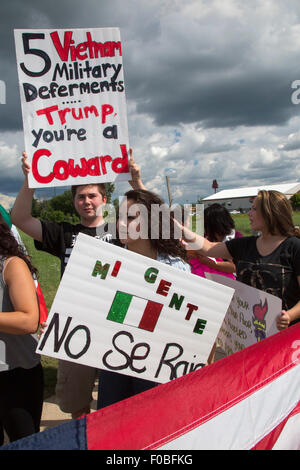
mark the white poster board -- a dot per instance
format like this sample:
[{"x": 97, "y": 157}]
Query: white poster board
[
  {"x": 124, "y": 312},
  {"x": 73, "y": 105},
  {"x": 251, "y": 315}
]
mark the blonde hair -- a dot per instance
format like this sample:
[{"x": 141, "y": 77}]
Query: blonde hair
[{"x": 277, "y": 212}]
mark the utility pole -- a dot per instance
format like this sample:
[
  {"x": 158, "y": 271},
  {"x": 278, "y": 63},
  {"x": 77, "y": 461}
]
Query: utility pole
[{"x": 169, "y": 191}]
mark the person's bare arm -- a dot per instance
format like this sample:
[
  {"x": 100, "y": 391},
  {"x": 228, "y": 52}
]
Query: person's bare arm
[
  {"x": 136, "y": 180},
  {"x": 287, "y": 316},
  {"x": 223, "y": 266},
  {"x": 21, "y": 212},
  {"x": 22, "y": 293},
  {"x": 202, "y": 246}
]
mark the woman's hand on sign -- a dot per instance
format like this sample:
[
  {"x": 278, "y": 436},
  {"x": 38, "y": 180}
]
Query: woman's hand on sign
[
  {"x": 136, "y": 181},
  {"x": 283, "y": 320},
  {"x": 25, "y": 164}
]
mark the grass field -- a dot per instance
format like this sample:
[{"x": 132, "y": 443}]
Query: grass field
[
  {"x": 49, "y": 277},
  {"x": 242, "y": 222}
]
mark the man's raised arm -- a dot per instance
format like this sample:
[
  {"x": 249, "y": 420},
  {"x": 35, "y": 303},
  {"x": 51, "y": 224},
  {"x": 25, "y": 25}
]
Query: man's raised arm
[
  {"x": 136, "y": 180},
  {"x": 21, "y": 212}
]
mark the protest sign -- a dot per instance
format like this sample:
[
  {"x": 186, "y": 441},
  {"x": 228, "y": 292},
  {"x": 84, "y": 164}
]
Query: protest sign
[
  {"x": 120, "y": 311},
  {"x": 73, "y": 105},
  {"x": 251, "y": 315}
]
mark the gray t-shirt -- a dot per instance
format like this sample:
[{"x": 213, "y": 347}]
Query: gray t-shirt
[{"x": 15, "y": 350}]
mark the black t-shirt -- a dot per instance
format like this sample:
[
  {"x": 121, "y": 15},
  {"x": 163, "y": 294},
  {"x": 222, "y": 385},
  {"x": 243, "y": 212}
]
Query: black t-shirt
[
  {"x": 275, "y": 273},
  {"x": 59, "y": 238}
]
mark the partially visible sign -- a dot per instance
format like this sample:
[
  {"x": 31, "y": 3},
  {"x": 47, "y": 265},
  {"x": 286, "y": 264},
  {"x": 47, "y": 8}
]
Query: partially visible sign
[
  {"x": 251, "y": 315},
  {"x": 73, "y": 105},
  {"x": 124, "y": 312}
]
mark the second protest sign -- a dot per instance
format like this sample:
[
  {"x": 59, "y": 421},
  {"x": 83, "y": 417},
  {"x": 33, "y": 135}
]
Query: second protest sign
[{"x": 251, "y": 315}]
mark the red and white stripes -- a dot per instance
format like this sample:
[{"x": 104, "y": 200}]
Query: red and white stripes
[{"x": 249, "y": 400}]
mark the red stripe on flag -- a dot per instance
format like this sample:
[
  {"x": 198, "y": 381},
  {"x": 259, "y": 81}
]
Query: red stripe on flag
[
  {"x": 270, "y": 439},
  {"x": 182, "y": 405},
  {"x": 43, "y": 307},
  {"x": 150, "y": 316}
]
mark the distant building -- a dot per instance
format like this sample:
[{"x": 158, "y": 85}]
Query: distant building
[{"x": 240, "y": 199}]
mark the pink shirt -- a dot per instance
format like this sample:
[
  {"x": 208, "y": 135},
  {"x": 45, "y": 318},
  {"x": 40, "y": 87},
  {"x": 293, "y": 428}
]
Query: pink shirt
[{"x": 200, "y": 269}]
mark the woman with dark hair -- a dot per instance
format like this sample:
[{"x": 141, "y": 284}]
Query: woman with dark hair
[
  {"x": 269, "y": 261},
  {"x": 143, "y": 217},
  {"x": 218, "y": 224},
  {"x": 154, "y": 232},
  {"x": 21, "y": 376},
  {"x": 218, "y": 227}
]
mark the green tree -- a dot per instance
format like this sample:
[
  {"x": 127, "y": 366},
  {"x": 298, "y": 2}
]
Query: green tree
[
  {"x": 109, "y": 187},
  {"x": 53, "y": 215},
  {"x": 61, "y": 208},
  {"x": 63, "y": 202},
  {"x": 295, "y": 201},
  {"x": 39, "y": 206}
]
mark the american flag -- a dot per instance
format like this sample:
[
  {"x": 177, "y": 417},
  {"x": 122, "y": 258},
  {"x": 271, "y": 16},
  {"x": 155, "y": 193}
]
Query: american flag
[{"x": 249, "y": 400}]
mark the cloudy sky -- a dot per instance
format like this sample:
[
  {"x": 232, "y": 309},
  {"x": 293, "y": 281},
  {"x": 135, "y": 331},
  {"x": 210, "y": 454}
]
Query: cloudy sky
[{"x": 208, "y": 86}]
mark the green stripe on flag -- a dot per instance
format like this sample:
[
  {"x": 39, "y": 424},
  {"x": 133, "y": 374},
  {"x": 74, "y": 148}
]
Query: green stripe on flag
[{"x": 119, "y": 307}]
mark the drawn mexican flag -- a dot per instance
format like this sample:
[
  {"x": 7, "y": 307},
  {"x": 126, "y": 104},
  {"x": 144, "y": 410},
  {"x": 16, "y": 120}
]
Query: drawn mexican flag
[{"x": 134, "y": 311}]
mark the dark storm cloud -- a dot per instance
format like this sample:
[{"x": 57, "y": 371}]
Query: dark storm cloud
[
  {"x": 249, "y": 98},
  {"x": 203, "y": 71},
  {"x": 10, "y": 185},
  {"x": 219, "y": 71},
  {"x": 33, "y": 14},
  {"x": 213, "y": 71}
]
